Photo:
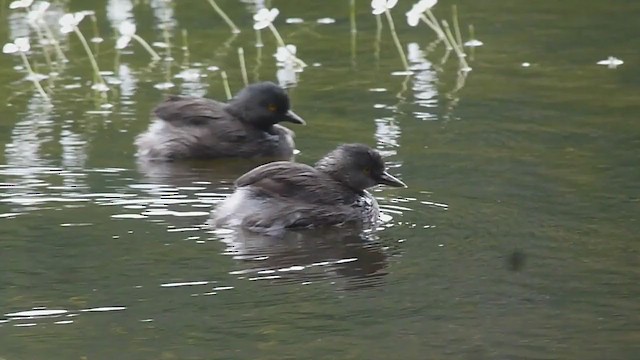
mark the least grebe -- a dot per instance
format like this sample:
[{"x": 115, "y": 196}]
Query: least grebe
[
  {"x": 284, "y": 195},
  {"x": 199, "y": 128}
]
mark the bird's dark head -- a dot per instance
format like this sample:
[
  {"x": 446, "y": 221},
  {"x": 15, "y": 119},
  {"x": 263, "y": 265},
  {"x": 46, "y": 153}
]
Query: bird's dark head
[
  {"x": 357, "y": 166},
  {"x": 263, "y": 105}
]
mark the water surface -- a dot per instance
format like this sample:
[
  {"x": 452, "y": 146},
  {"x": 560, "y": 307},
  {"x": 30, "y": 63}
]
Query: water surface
[{"x": 516, "y": 239}]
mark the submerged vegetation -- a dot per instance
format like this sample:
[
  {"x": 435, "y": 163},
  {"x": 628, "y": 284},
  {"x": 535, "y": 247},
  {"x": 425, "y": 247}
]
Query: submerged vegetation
[{"x": 42, "y": 15}]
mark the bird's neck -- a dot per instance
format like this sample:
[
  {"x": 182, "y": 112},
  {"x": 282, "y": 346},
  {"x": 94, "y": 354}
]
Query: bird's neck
[
  {"x": 240, "y": 112},
  {"x": 235, "y": 109},
  {"x": 336, "y": 173}
]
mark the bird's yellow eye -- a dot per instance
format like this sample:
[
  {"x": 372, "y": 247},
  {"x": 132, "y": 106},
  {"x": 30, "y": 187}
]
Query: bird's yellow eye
[{"x": 272, "y": 107}]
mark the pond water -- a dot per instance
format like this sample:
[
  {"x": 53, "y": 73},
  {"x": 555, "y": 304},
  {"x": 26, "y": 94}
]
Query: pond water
[{"x": 517, "y": 237}]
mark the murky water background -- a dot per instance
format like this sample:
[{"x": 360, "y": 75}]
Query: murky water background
[{"x": 516, "y": 239}]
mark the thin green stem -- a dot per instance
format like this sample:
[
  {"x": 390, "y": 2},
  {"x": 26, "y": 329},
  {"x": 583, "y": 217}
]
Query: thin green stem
[
  {"x": 376, "y": 44},
  {"x": 396, "y": 39},
  {"x": 456, "y": 25},
  {"x": 94, "y": 22},
  {"x": 259, "y": 39},
  {"x": 45, "y": 50},
  {"x": 256, "y": 69},
  {"x": 92, "y": 59},
  {"x": 461, "y": 55},
  {"x": 166, "y": 36},
  {"x": 146, "y": 46},
  {"x": 471, "y": 37},
  {"x": 435, "y": 28},
  {"x": 445, "y": 57},
  {"x": 33, "y": 76},
  {"x": 243, "y": 66},
  {"x": 276, "y": 34},
  {"x": 354, "y": 30},
  {"x": 352, "y": 16},
  {"x": 225, "y": 82},
  {"x": 54, "y": 41},
  {"x": 185, "y": 40},
  {"x": 440, "y": 32},
  {"x": 234, "y": 28}
]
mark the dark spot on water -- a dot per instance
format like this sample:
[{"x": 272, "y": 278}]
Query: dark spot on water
[{"x": 516, "y": 260}]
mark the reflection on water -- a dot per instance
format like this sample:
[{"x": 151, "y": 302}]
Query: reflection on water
[
  {"x": 343, "y": 255},
  {"x": 43, "y": 316},
  {"x": 30, "y": 134},
  {"x": 219, "y": 171},
  {"x": 424, "y": 82}
]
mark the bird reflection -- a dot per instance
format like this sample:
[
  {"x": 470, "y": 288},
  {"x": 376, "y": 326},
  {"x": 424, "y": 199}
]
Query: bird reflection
[
  {"x": 224, "y": 171},
  {"x": 31, "y": 135},
  {"x": 345, "y": 256}
]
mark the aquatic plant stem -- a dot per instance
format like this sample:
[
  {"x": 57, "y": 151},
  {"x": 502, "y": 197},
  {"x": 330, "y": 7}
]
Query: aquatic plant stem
[
  {"x": 435, "y": 28},
  {"x": 146, "y": 46},
  {"x": 234, "y": 28},
  {"x": 92, "y": 59},
  {"x": 376, "y": 44},
  {"x": 166, "y": 36},
  {"x": 55, "y": 43},
  {"x": 185, "y": 40},
  {"x": 456, "y": 25},
  {"x": 259, "y": 39},
  {"x": 281, "y": 43},
  {"x": 396, "y": 40},
  {"x": 41, "y": 39},
  {"x": 471, "y": 36},
  {"x": 243, "y": 66},
  {"x": 225, "y": 83},
  {"x": 185, "y": 48},
  {"x": 456, "y": 47},
  {"x": 436, "y": 25},
  {"x": 33, "y": 77},
  {"x": 354, "y": 30},
  {"x": 94, "y": 22},
  {"x": 352, "y": 16},
  {"x": 256, "y": 69}
]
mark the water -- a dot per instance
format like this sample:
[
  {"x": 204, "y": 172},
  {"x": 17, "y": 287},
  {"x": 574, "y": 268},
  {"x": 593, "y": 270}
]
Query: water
[{"x": 516, "y": 239}]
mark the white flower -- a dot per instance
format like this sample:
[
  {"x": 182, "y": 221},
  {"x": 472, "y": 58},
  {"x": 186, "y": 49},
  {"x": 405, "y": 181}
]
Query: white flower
[
  {"x": 127, "y": 29},
  {"x": 20, "y": 4},
  {"x": 20, "y": 44},
  {"x": 36, "y": 14},
  {"x": 286, "y": 55},
  {"x": 264, "y": 17},
  {"x": 380, "y": 6},
  {"x": 413, "y": 15},
  {"x": 473, "y": 43},
  {"x": 69, "y": 21},
  {"x": 612, "y": 62},
  {"x": 424, "y": 5}
]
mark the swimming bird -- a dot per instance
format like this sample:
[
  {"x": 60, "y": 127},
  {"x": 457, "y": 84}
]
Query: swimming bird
[
  {"x": 287, "y": 195},
  {"x": 200, "y": 128}
]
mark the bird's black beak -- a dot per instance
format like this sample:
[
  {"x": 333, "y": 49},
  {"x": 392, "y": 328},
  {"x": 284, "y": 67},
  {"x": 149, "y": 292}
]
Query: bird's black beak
[
  {"x": 390, "y": 180},
  {"x": 292, "y": 117}
]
